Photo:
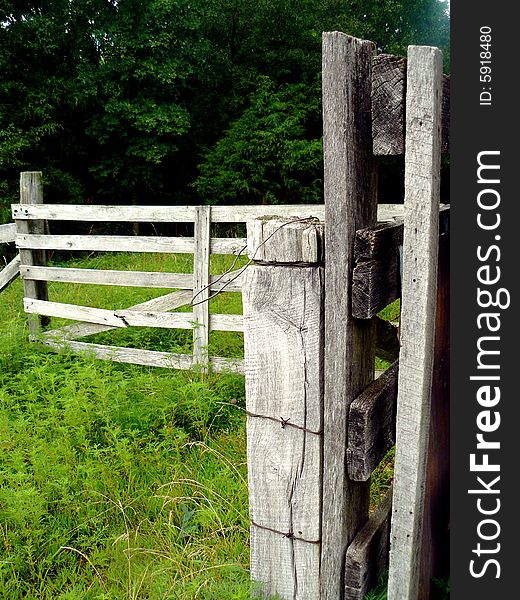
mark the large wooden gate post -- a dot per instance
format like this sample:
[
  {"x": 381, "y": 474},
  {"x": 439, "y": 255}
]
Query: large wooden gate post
[
  {"x": 350, "y": 204},
  {"x": 283, "y": 323}
]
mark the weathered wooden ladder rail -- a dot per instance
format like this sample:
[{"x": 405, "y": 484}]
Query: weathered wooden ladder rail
[{"x": 318, "y": 422}]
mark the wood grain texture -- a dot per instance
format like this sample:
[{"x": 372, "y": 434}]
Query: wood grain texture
[
  {"x": 31, "y": 194},
  {"x": 283, "y": 318},
  {"x": 420, "y": 253},
  {"x": 371, "y": 425},
  {"x": 389, "y": 90},
  {"x": 7, "y": 233},
  {"x": 377, "y": 275},
  {"x": 282, "y": 241},
  {"x": 201, "y": 284},
  {"x": 182, "y": 214},
  {"x": 122, "y": 318},
  {"x": 147, "y": 279},
  {"x": 9, "y": 272},
  {"x": 135, "y": 356},
  {"x": 435, "y": 540},
  {"x": 367, "y": 556},
  {"x": 161, "y": 303},
  {"x": 388, "y": 103},
  {"x": 350, "y": 204},
  {"x": 375, "y": 283},
  {"x": 121, "y": 243}
]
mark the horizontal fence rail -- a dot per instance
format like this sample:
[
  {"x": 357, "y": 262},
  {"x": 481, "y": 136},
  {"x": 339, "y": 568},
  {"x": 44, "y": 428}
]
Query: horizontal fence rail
[
  {"x": 7, "y": 233},
  {"x": 179, "y": 214},
  {"x": 12, "y": 268}
]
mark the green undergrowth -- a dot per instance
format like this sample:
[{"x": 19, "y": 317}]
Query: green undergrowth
[{"x": 119, "y": 481}]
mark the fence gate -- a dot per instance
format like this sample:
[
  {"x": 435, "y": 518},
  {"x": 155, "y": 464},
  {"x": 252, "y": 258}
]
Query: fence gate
[{"x": 318, "y": 421}]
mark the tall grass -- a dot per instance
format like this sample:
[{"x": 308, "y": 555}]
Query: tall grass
[{"x": 120, "y": 481}]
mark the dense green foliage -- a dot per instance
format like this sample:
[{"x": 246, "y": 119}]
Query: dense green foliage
[{"x": 178, "y": 100}]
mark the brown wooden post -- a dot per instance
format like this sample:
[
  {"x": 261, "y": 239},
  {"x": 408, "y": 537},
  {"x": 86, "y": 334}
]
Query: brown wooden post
[
  {"x": 283, "y": 325},
  {"x": 31, "y": 192},
  {"x": 350, "y": 187}
]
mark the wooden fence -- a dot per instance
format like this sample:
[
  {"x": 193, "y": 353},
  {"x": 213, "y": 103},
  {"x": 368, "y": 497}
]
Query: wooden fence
[
  {"x": 11, "y": 269},
  {"x": 33, "y": 239},
  {"x": 319, "y": 423}
]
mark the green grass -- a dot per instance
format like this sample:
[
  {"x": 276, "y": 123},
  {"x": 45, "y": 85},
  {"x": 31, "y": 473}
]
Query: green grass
[{"x": 119, "y": 481}]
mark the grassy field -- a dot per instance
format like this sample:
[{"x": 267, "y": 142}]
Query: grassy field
[{"x": 119, "y": 481}]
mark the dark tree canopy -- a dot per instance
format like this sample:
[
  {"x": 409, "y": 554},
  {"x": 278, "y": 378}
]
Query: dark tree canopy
[{"x": 175, "y": 101}]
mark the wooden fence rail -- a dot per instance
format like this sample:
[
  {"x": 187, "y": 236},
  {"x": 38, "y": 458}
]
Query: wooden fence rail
[
  {"x": 33, "y": 239},
  {"x": 12, "y": 268}
]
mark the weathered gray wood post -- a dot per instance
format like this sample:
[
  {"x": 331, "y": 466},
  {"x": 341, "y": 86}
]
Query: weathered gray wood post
[
  {"x": 283, "y": 322},
  {"x": 31, "y": 192},
  {"x": 350, "y": 204},
  {"x": 201, "y": 280},
  {"x": 420, "y": 254}
]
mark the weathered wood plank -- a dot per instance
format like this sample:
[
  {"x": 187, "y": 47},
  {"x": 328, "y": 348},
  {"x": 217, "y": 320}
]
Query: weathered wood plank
[
  {"x": 106, "y": 213},
  {"x": 367, "y": 556},
  {"x": 149, "y": 279},
  {"x": 182, "y": 214},
  {"x": 31, "y": 194},
  {"x": 282, "y": 241},
  {"x": 107, "y": 243},
  {"x": 375, "y": 283},
  {"x": 388, "y": 105},
  {"x": 350, "y": 188},
  {"x": 161, "y": 303},
  {"x": 283, "y": 346},
  {"x": 121, "y": 243},
  {"x": 378, "y": 241},
  {"x": 7, "y": 233},
  {"x": 148, "y": 358},
  {"x": 9, "y": 272},
  {"x": 377, "y": 280},
  {"x": 371, "y": 425},
  {"x": 420, "y": 250},
  {"x": 201, "y": 284},
  {"x": 129, "y": 317},
  {"x": 435, "y": 541}
]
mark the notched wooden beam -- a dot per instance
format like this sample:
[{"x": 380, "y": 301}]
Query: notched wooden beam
[
  {"x": 371, "y": 425},
  {"x": 388, "y": 105},
  {"x": 377, "y": 272},
  {"x": 367, "y": 556}
]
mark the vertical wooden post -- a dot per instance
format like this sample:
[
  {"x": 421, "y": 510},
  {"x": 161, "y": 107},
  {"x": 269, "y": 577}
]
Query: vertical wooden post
[
  {"x": 350, "y": 186},
  {"x": 435, "y": 537},
  {"x": 283, "y": 324},
  {"x": 420, "y": 254},
  {"x": 201, "y": 281},
  {"x": 31, "y": 192}
]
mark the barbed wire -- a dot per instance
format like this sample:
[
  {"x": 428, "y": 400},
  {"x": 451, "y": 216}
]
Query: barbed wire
[{"x": 311, "y": 220}]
